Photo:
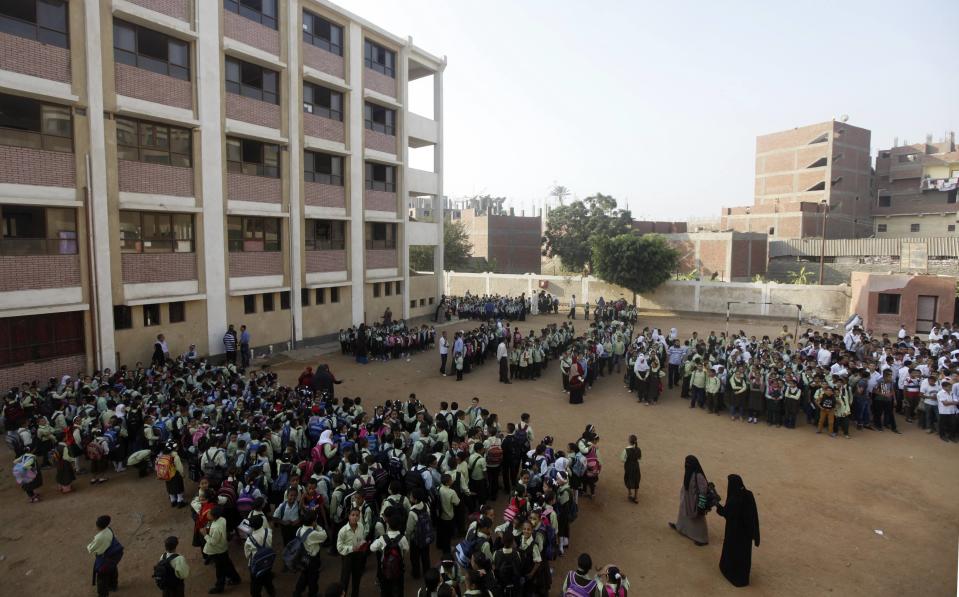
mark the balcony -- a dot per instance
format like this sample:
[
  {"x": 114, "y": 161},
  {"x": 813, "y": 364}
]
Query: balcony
[
  {"x": 261, "y": 189},
  {"x": 381, "y": 258},
  {"x": 322, "y": 60},
  {"x": 38, "y": 264},
  {"x": 154, "y": 179},
  {"x": 28, "y": 166},
  {"x": 323, "y": 128},
  {"x": 34, "y": 58},
  {"x": 152, "y": 268},
  {"x": 246, "y": 109},
  {"x": 178, "y": 9},
  {"x": 422, "y": 131},
  {"x": 251, "y": 33},
  {"x": 421, "y": 182},
  {"x": 149, "y": 86}
]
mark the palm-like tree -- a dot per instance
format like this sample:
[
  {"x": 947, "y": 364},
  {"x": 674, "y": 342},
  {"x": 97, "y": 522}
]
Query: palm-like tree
[{"x": 560, "y": 192}]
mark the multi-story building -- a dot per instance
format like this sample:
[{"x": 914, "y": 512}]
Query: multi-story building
[
  {"x": 510, "y": 244},
  {"x": 175, "y": 166},
  {"x": 916, "y": 189},
  {"x": 804, "y": 174}
]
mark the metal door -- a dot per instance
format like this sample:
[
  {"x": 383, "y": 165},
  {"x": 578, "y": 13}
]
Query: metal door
[{"x": 925, "y": 312}]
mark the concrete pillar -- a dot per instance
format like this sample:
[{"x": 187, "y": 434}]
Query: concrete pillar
[
  {"x": 102, "y": 290},
  {"x": 295, "y": 152},
  {"x": 438, "y": 257},
  {"x": 696, "y": 289},
  {"x": 402, "y": 75},
  {"x": 489, "y": 276},
  {"x": 354, "y": 61}
]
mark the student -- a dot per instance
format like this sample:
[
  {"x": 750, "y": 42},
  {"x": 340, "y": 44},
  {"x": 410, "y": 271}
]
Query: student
[
  {"x": 392, "y": 548},
  {"x": 169, "y": 468},
  {"x": 106, "y": 551},
  {"x": 948, "y": 411},
  {"x": 420, "y": 532},
  {"x": 352, "y": 545},
  {"x": 713, "y": 386},
  {"x": 313, "y": 538},
  {"x": 508, "y": 568},
  {"x": 431, "y": 583},
  {"x": 259, "y": 536},
  {"x": 458, "y": 364},
  {"x": 631, "y": 474},
  {"x": 827, "y": 409},
  {"x": 217, "y": 548},
  {"x": 578, "y": 582},
  {"x": 287, "y": 515},
  {"x": 174, "y": 567},
  {"x": 448, "y": 502}
]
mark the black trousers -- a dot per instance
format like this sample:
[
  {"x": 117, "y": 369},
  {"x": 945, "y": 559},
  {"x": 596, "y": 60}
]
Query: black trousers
[
  {"x": 673, "y": 375},
  {"x": 106, "y": 582},
  {"x": 444, "y": 535},
  {"x": 882, "y": 413},
  {"x": 264, "y": 582},
  {"x": 352, "y": 569},
  {"x": 225, "y": 570},
  {"x": 504, "y": 370},
  {"x": 177, "y": 591},
  {"x": 419, "y": 559},
  {"x": 443, "y": 358},
  {"x": 309, "y": 579}
]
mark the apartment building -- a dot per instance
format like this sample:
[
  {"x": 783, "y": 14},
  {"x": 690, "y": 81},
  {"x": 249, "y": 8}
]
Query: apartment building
[
  {"x": 510, "y": 244},
  {"x": 916, "y": 189},
  {"x": 176, "y": 166},
  {"x": 804, "y": 174}
]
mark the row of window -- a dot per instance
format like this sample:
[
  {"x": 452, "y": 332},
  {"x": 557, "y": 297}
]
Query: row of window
[
  {"x": 267, "y": 302},
  {"x": 31, "y": 230},
  {"x": 915, "y": 227},
  {"x": 423, "y": 302},
  {"x": 387, "y": 288},
  {"x": 32, "y": 338},
  {"x": 123, "y": 315}
]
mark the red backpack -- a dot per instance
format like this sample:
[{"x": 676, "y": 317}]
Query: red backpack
[
  {"x": 494, "y": 456},
  {"x": 391, "y": 565},
  {"x": 593, "y": 466}
]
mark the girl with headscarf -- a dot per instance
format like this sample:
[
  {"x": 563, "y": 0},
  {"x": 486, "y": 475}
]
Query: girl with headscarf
[
  {"x": 691, "y": 521},
  {"x": 642, "y": 377},
  {"x": 577, "y": 381},
  {"x": 742, "y": 528}
]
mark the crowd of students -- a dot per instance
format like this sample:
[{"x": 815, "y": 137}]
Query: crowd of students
[
  {"x": 328, "y": 476},
  {"x": 386, "y": 340}
]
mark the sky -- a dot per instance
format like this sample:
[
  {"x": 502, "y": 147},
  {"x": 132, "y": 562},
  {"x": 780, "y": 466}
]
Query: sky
[{"x": 659, "y": 104}]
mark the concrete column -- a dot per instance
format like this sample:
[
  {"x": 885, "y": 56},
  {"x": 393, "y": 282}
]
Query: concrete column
[
  {"x": 489, "y": 277},
  {"x": 584, "y": 286},
  {"x": 295, "y": 152},
  {"x": 438, "y": 208},
  {"x": 354, "y": 72},
  {"x": 696, "y": 288},
  {"x": 97, "y": 195},
  {"x": 209, "y": 64},
  {"x": 764, "y": 298},
  {"x": 403, "y": 187}
]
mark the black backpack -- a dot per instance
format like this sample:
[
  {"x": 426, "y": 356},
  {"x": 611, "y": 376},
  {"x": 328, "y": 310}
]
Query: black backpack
[
  {"x": 414, "y": 479},
  {"x": 508, "y": 569},
  {"x": 163, "y": 574}
]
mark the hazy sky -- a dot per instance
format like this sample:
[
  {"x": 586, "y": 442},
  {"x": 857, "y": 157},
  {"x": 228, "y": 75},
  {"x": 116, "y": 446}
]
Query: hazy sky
[{"x": 660, "y": 103}]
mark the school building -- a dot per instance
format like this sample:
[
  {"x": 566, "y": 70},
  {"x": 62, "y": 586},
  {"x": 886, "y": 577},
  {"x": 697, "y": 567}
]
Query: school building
[{"x": 175, "y": 166}]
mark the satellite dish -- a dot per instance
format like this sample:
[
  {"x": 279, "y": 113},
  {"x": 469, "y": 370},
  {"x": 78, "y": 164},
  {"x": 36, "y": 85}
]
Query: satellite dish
[{"x": 844, "y": 118}]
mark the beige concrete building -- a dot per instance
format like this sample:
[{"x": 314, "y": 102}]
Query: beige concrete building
[
  {"x": 803, "y": 172},
  {"x": 916, "y": 189},
  {"x": 174, "y": 166}
]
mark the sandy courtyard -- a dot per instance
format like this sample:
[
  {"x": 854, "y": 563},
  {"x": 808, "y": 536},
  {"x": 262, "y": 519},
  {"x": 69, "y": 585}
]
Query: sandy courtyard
[{"x": 821, "y": 501}]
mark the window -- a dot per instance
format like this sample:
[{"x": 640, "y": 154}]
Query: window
[
  {"x": 249, "y": 234},
  {"x": 884, "y": 155},
  {"x": 387, "y": 288},
  {"x": 260, "y": 11},
  {"x": 380, "y": 235},
  {"x": 412, "y": 303},
  {"x": 246, "y": 156},
  {"x": 150, "y": 50},
  {"x": 151, "y": 315},
  {"x": 249, "y": 304},
  {"x": 320, "y": 296},
  {"x": 379, "y": 119},
  {"x": 907, "y": 157},
  {"x": 156, "y": 232},
  {"x": 950, "y": 227},
  {"x": 25, "y": 122},
  {"x": 305, "y": 297},
  {"x": 122, "y": 317},
  {"x": 772, "y": 231},
  {"x": 398, "y": 287},
  {"x": 176, "y": 312},
  {"x": 42, "y": 20},
  {"x": 951, "y": 196},
  {"x": 285, "y": 300},
  {"x": 321, "y": 33},
  {"x": 30, "y": 230},
  {"x": 334, "y": 295},
  {"x": 325, "y": 235},
  {"x": 34, "y": 338},
  {"x": 422, "y": 302},
  {"x": 154, "y": 143},
  {"x": 431, "y": 300},
  {"x": 380, "y": 177},
  {"x": 376, "y": 289},
  {"x": 885, "y": 200},
  {"x": 881, "y": 227},
  {"x": 888, "y": 304},
  {"x": 323, "y": 168},
  {"x": 251, "y": 80},
  {"x": 914, "y": 227},
  {"x": 268, "y": 302},
  {"x": 379, "y": 58},
  {"x": 322, "y": 101}
]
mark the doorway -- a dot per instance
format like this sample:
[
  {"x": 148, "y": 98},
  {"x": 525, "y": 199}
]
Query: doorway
[{"x": 926, "y": 312}]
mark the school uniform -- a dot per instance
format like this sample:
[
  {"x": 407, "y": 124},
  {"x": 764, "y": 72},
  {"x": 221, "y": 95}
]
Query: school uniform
[
  {"x": 216, "y": 547},
  {"x": 181, "y": 570},
  {"x": 105, "y": 577},
  {"x": 254, "y": 541},
  {"x": 444, "y": 533},
  {"x": 310, "y": 576},
  {"x": 347, "y": 541},
  {"x": 391, "y": 587}
]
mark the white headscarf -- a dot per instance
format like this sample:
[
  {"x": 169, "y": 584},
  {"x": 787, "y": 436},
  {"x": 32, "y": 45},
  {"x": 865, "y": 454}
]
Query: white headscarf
[
  {"x": 641, "y": 364},
  {"x": 673, "y": 333},
  {"x": 325, "y": 438}
]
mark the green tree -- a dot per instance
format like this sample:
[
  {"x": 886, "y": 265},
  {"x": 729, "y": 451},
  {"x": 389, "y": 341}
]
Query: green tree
[
  {"x": 803, "y": 276},
  {"x": 571, "y": 230},
  {"x": 457, "y": 249},
  {"x": 638, "y": 263}
]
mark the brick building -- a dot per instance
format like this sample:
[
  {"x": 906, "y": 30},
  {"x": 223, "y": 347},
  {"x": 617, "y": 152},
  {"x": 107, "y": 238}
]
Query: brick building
[
  {"x": 729, "y": 256},
  {"x": 513, "y": 244},
  {"x": 172, "y": 166},
  {"x": 803, "y": 172}
]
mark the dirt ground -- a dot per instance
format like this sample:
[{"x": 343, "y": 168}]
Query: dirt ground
[{"x": 822, "y": 501}]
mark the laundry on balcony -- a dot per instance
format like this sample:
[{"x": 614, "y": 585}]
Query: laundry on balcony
[{"x": 939, "y": 184}]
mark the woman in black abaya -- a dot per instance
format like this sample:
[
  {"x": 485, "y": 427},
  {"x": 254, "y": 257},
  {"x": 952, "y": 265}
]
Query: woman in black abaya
[{"x": 742, "y": 529}]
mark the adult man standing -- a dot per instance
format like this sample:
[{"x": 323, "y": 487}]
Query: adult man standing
[
  {"x": 229, "y": 345},
  {"x": 444, "y": 352},
  {"x": 244, "y": 347},
  {"x": 572, "y": 307},
  {"x": 675, "y": 355},
  {"x": 458, "y": 344},
  {"x": 502, "y": 357}
]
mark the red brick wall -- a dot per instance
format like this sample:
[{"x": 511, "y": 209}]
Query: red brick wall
[
  {"x": 377, "y": 81},
  {"x": 153, "y": 87},
  {"x": 379, "y": 258},
  {"x": 30, "y": 57},
  {"x": 322, "y": 60},
  {"x": 178, "y": 9},
  {"x": 140, "y": 268},
  {"x": 758, "y": 265},
  {"x": 324, "y": 195},
  {"x": 156, "y": 179},
  {"x": 251, "y": 33},
  {"x": 379, "y": 141},
  {"x": 243, "y": 187},
  {"x": 266, "y": 263},
  {"x": 35, "y": 272},
  {"x": 324, "y": 128},
  {"x": 514, "y": 242},
  {"x": 252, "y": 111},
  {"x": 380, "y": 201},
  {"x": 41, "y": 371},
  {"x": 22, "y": 165},
  {"x": 712, "y": 254},
  {"x": 325, "y": 261}
]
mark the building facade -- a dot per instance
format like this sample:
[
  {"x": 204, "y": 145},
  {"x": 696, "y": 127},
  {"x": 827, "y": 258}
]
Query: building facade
[
  {"x": 176, "y": 166},
  {"x": 916, "y": 189},
  {"x": 510, "y": 244},
  {"x": 722, "y": 256},
  {"x": 805, "y": 173}
]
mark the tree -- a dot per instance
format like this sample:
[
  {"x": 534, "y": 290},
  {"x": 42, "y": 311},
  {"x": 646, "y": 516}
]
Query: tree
[
  {"x": 638, "y": 263},
  {"x": 560, "y": 192},
  {"x": 803, "y": 276},
  {"x": 457, "y": 249},
  {"x": 572, "y": 229}
]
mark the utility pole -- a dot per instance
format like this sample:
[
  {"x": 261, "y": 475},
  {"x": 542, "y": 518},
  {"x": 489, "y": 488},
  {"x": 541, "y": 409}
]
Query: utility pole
[{"x": 822, "y": 247}]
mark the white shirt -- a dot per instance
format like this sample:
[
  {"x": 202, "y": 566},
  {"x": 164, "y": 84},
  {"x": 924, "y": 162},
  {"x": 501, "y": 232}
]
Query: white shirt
[
  {"x": 945, "y": 409},
  {"x": 824, "y": 357},
  {"x": 501, "y": 352},
  {"x": 929, "y": 392},
  {"x": 902, "y": 333},
  {"x": 444, "y": 345}
]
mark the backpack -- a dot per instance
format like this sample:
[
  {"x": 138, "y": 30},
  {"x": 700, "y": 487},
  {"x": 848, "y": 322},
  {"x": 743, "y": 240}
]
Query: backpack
[
  {"x": 579, "y": 465},
  {"x": 395, "y": 465},
  {"x": 163, "y": 574},
  {"x": 494, "y": 456},
  {"x": 261, "y": 562},
  {"x": 550, "y": 543},
  {"x": 25, "y": 470},
  {"x": 593, "y": 466},
  {"x": 575, "y": 590},
  {"x": 467, "y": 547},
  {"x": 294, "y": 554},
  {"x": 369, "y": 489},
  {"x": 244, "y": 503},
  {"x": 424, "y": 528},
  {"x": 339, "y": 516},
  {"x": 572, "y": 510},
  {"x": 94, "y": 451},
  {"x": 414, "y": 479},
  {"x": 282, "y": 480},
  {"x": 110, "y": 559},
  {"x": 508, "y": 569},
  {"x": 208, "y": 465},
  {"x": 165, "y": 468},
  {"x": 391, "y": 564}
]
